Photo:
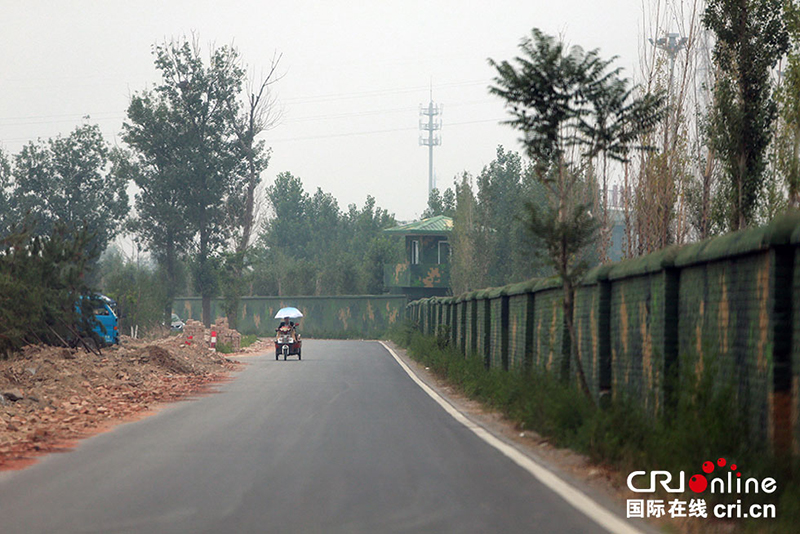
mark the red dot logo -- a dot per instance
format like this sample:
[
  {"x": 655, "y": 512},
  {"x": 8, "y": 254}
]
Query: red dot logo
[
  {"x": 708, "y": 467},
  {"x": 721, "y": 462},
  {"x": 698, "y": 483}
]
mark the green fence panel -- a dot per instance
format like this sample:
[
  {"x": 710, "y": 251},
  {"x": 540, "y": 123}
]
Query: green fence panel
[
  {"x": 518, "y": 330},
  {"x": 587, "y": 329},
  {"x": 726, "y": 331},
  {"x": 549, "y": 332},
  {"x": 727, "y": 309},
  {"x": 637, "y": 339},
  {"x": 458, "y": 323},
  {"x": 484, "y": 330},
  {"x": 496, "y": 333}
]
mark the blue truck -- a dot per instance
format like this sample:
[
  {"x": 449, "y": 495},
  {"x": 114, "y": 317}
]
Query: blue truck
[{"x": 105, "y": 318}]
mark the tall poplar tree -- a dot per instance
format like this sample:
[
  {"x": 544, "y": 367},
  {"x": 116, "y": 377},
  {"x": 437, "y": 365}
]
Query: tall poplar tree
[
  {"x": 183, "y": 132},
  {"x": 751, "y": 38}
]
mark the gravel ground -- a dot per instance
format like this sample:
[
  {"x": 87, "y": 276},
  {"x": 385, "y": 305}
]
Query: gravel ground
[{"x": 52, "y": 396}]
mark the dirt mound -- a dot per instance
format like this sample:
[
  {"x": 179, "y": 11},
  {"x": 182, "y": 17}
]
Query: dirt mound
[
  {"x": 163, "y": 358},
  {"x": 50, "y": 395}
]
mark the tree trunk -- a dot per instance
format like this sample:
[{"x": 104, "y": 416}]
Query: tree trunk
[
  {"x": 203, "y": 273},
  {"x": 170, "y": 261},
  {"x": 706, "y": 202},
  {"x": 233, "y": 312},
  {"x": 569, "y": 294},
  {"x": 248, "y": 219},
  {"x": 249, "y": 205},
  {"x": 207, "y": 311},
  {"x": 794, "y": 175},
  {"x": 574, "y": 349},
  {"x": 605, "y": 235}
]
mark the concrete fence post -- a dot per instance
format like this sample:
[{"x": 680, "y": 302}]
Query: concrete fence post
[
  {"x": 672, "y": 286},
  {"x": 486, "y": 345},
  {"x": 530, "y": 340},
  {"x": 781, "y": 281},
  {"x": 454, "y": 321},
  {"x": 473, "y": 318},
  {"x": 504, "y": 331},
  {"x": 463, "y": 331}
]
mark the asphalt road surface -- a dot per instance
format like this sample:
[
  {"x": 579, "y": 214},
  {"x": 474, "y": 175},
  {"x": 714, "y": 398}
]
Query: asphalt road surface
[{"x": 342, "y": 441}]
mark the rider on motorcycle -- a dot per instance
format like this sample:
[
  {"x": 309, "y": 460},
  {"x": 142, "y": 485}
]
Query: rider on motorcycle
[{"x": 287, "y": 323}]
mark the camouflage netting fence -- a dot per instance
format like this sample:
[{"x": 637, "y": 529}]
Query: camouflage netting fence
[
  {"x": 341, "y": 316},
  {"x": 727, "y": 308}
]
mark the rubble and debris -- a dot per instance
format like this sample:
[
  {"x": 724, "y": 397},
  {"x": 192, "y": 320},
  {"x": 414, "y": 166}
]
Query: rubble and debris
[
  {"x": 194, "y": 332},
  {"x": 53, "y": 395},
  {"x": 226, "y": 335},
  {"x": 13, "y": 395}
]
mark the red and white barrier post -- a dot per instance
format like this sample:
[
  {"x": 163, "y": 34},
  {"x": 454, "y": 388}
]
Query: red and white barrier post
[{"x": 213, "y": 341}]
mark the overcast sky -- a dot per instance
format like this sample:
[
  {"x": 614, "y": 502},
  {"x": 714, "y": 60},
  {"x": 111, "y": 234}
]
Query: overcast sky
[{"x": 354, "y": 76}]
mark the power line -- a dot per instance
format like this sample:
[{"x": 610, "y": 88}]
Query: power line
[
  {"x": 380, "y": 92},
  {"x": 106, "y": 116},
  {"x": 371, "y": 132},
  {"x": 109, "y": 135},
  {"x": 297, "y": 100},
  {"x": 114, "y": 113},
  {"x": 71, "y": 117}
]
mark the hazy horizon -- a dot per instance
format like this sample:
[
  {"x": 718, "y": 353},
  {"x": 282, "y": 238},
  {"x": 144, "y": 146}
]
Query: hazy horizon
[{"x": 353, "y": 77}]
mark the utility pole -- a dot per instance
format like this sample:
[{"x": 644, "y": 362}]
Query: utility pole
[
  {"x": 672, "y": 44},
  {"x": 431, "y": 125}
]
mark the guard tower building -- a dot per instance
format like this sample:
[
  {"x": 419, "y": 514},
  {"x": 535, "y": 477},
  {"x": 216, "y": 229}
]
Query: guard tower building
[{"x": 426, "y": 271}]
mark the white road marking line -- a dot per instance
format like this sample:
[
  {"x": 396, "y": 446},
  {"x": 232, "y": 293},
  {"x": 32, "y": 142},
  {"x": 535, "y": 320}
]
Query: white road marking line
[{"x": 602, "y": 516}]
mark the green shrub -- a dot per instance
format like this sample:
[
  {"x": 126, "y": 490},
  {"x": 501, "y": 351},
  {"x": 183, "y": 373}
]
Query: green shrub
[
  {"x": 224, "y": 348},
  {"x": 248, "y": 340},
  {"x": 42, "y": 279}
]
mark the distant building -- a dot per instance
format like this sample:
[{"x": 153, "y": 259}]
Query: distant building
[
  {"x": 426, "y": 271},
  {"x": 616, "y": 218}
]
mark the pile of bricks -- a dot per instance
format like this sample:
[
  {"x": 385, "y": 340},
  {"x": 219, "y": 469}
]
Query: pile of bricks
[
  {"x": 194, "y": 332},
  {"x": 226, "y": 335}
]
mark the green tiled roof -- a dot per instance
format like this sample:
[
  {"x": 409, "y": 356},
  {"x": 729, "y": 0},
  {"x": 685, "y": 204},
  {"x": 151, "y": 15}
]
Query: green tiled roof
[{"x": 434, "y": 225}]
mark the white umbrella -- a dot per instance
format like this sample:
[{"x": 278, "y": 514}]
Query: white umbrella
[{"x": 291, "y": 313}]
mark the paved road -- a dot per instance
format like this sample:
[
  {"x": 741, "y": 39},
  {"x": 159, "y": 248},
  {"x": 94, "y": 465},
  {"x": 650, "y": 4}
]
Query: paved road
[{"x": 343, "y": 442}]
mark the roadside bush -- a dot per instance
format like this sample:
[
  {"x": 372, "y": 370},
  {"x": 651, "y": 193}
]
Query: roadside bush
[
  {"x": 224, "y": 348},
  {"x": 248, "y": 340},
  {"x": 41, "y": 282}
]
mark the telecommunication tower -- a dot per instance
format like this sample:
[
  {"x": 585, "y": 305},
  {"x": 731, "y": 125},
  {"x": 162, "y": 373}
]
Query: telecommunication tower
[
  {"x": 431, "y": 124},
  {"x": 672, "y": 44}
]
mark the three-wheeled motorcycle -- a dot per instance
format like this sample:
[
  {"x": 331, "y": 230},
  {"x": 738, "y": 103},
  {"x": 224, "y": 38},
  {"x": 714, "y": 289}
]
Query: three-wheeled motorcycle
[
  {"x": 288, "y": 343},
  {"x": 287, "y": 340}
]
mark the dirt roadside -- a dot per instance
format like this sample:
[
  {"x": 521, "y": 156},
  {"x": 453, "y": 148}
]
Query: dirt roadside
[{"x": 50, "y": 397}]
